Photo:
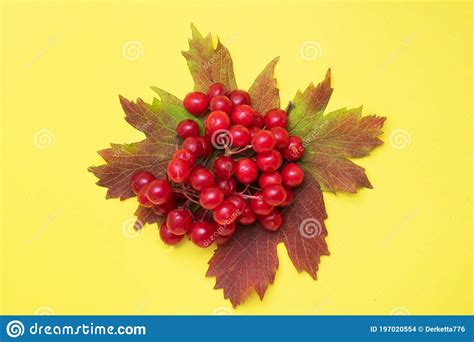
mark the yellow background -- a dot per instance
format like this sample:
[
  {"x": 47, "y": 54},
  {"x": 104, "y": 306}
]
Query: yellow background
[{"x": 404, "y": 247}]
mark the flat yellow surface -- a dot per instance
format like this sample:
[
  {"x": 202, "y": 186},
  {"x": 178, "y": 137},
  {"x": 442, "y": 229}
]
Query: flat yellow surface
[{"x": 404, "y": 247}]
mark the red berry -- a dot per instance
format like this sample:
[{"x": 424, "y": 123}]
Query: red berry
[
  {"x": 214, "y": 90},
  {"x": 226, "y": 229},
  {"x": 196, "y": 103},
  {"x": 179, "y": 221},
  {"x": 272, "y": 221},
  {"x": 292, "y": 175},
  {"x": 269, "y": 161},
  {"x": 207, "y": 149},
  {"x": 225, "y": 213},
  {"x": 274, "y": 194},
  {"x": 201, "y": 178},
  {"x": 254, "y": 130},
  {"x": 269, "y": 178},
  {"x": 246, "y": 171},
  {"x": 276, "y": 118},
  {"x": 224, "y": 167},
  {"x": 143, "y": 199},
  {"x": 222, "y": 103},
  {"x": 239, "y": 136},
  {"x": 258, "y": 120},
  {"x": 263, "y": 141},
  {"x": 178, "y": 170},
  {"x": 211, "y": 197},
  {"x": 140, "y": 180},
  {"x": 289, "y": 197},
  {"x": 187, "y": 128},
  {"x": 242, "y": 115},
  {"x": 228, "y": 186},
  {"x": 239, "y": 97},
  {"x": 159, "y": 191},
  {"x": 247, "y": 216},
  {"x": 282, "y": 137},
  {"x": 295, "y": 149},
  {"x": 217, "y": 120},
  {"x": 167, "y": 236},
  {"x": 194, "y": 145},
  {"x": 259, "y": 206},
  {"x": 238, "y": 201},
  {"x": 185, "y": 155},
  {"x": 222, "y": 240},
  {"x": 165, "y": 208},
  {"x": 203, "y": 233}
]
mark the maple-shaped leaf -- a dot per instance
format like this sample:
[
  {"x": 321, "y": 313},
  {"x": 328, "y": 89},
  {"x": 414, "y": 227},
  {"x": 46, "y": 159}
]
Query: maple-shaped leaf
[
  {"x": 207, "y": 64},
  {"x": 264, "y": 93}
]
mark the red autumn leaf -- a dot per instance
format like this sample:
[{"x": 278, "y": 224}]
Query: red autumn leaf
[{"x": 264, "y": 93}]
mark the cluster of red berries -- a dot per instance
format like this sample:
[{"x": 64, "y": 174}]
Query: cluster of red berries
[{"x": 251, "y": 178}]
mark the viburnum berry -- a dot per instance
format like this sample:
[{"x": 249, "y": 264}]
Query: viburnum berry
[
  {"x": 165, "y": 208},
  {"x": 159, "y": 191},
  {"x": 239, "y": 97},
  {"x": 258, "y": 120},
  {"x": 201, "y": 178},
  {"x": 282, "y": 137},
  {"x": 196, "y": 103},
  {"x": 187, "y": 128},
  {"x": 247, "y": 216},
  {"x": 178, "y": 170},
  {"x": 242, "y": 115},
  {"x": 140, "y": 180},
  {"x": 272, "y": 221},
  {"x": 269, "y": 161},
  {"x": 292, "y": 175},
  {"x": 225, "y": 213},
  {"x": 167, "y": 236},
  {"x": 217, "y": 120},
  {"x": 211, "y": 197},
  {"x": 179, "y": 221},
  {"x": 246, "y": 170},
  {"x": 239, "y": 136},
  {"x": 222, "y": 103},
  {"x": 228, "y": 186},
  {"x": 206, "y": 145},
  {"x": 295, "y": 149},
  {"x": 143, "y": 199},
  {"x": 274, "y": 194},
  {"x": 269, "y": 178},
  {"x": 194, "y": 145},
  {"x": 226, "y": 229},
  {"x": 238, "y": 201},
  {"x": 203, "y": 233},
  {"x": 216, "y": 89},
  {"x": 224, "y": 167},
  {"x": 259, "y": 206},
  {"x": 263, "y": 141},
  {"x": 276, "y": 118},
  {"x": 289, "y": 197},
  {"x": 254, "y": 130},
  {"x": 186, "y": 155}
]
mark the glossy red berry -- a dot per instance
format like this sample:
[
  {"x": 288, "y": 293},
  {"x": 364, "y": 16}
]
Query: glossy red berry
[
  {"x": 187, "y": 128},
  {"x": 254, "y": 130},
  {"x": 289, "y": 197},
  {"x": 269, "y": 178},
  {"x": 239, "y": 97},
  {"x": 259, "y": 206},
  {"x": 271, "y": 222},
  {"x": 143, "y": 199},
  {"x": 225, "y": 213},
  {"x": 226, "y": 229},
  {"x": 263, "y": 141},
  {"x": 292, "y": 175},
  {"x": 274, "y": 194},
  {"x": 214, "y": 90},
  {"x": 194, "y": 145},
  {"x": 178, "y": 170},
  {"x": 246, "y": 171},
  {"x": 228, "y": 186},
  {"x": 211, "y": 197},
  {"x": 224, "y": 167},
  {"x": 238, "y": 201},
  {"x": 159, "y": 191},
  {"x": 167, "y": 236},
  {"x": 276, "y": 118},
  {"x": 269, "y": 161},
  {"x": 140, "y": 180},
  {"x": 295, "y": 149},
  {"x": 185, "y": 155},
  {"x": 196, "y": 103},
  {"x": 217, "y": 120},
  {"x": 179, "y": 221},
  {"x": 258, "y": 120},
  {"x": 201, "y": 178},
  {"x": 247, "y": 216},
  {"x": 207, "y": 149},
  {"x": 242, "y": 115},
  {"x": 203, "y": 233},
  {"x": 239, "y": 136},
  {"x": 222, "y": 103},
  {"x": 282, "y": 137},
  {"x": 165, "y": 208}
]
